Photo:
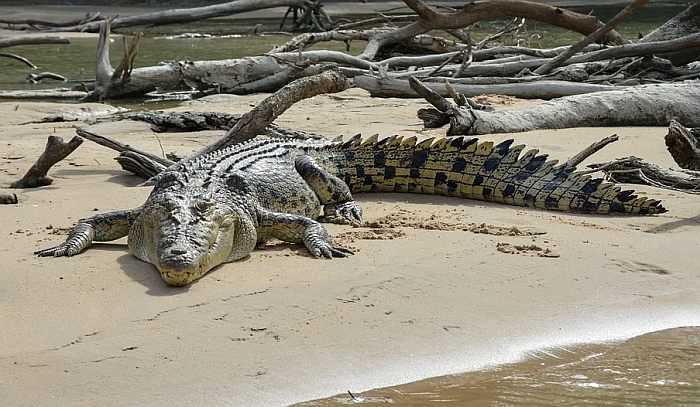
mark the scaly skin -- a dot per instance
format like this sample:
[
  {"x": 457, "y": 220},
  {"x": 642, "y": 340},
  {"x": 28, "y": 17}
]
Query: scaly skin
[{"x": 216, "y": 208}]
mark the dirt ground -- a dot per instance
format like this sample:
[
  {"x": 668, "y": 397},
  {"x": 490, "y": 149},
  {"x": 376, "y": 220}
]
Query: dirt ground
[{"x": 439, "y": 286}]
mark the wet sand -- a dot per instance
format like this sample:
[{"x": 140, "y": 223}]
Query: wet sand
[{"x": 433, "y": 296}]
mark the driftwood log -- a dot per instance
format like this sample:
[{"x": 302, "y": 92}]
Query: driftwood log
[
  {"x": 684, "y": 24},
  {"x": 14, "y": 40},
  {"x": 55, "y": 151},
  {"x": 648, "y": 105},
  {"x": 185, "y": 15},
  {"x": 684, "y": 145},
  {"x": 264, "y": 73},
  {"x": 634, "y": 170},
  {"x": 542, "y": 89},
  {"x": 261, "y": 116},
  {"x": 595, "y": 36}
]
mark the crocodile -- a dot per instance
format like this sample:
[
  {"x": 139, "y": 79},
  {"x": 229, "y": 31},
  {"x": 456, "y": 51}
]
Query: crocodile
[{"x": 217, "y": 207}]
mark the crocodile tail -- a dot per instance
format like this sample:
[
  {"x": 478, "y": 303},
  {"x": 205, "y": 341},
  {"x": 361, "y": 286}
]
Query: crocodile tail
[{"x": 464, "y": 167}]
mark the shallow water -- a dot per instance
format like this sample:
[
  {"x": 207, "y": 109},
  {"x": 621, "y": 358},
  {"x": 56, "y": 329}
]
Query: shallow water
[{"x": 656, "y": 369}]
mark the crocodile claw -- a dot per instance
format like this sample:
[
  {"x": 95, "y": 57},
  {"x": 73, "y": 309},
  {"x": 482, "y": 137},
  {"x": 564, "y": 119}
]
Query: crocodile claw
[
  {"x": 347, "y": 212},
  {"x": 329, "y": 252},
  {"x": 79, "y": 239}
]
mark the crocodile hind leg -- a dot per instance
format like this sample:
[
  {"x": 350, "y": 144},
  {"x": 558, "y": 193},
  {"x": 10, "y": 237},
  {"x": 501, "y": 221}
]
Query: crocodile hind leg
[
  {"x": 99, "y": 228},
  {"x": 300, "y": 229},
  {"x": 333, "y": 193}
]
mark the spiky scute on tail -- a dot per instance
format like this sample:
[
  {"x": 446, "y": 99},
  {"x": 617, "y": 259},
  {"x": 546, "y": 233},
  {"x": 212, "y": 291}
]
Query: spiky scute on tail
[{"x": 464, "y": 167}]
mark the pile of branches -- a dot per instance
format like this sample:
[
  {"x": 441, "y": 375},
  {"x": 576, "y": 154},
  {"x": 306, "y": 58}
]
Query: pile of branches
[{"x": 415, "y": 45}]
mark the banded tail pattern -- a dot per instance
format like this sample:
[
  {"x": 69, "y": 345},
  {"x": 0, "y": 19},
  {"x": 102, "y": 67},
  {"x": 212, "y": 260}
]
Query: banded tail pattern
[{"x": 464, "y": 167}]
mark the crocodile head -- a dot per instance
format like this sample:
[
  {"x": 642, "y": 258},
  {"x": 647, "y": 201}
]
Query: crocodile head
[{"x": 185, "y": 232}]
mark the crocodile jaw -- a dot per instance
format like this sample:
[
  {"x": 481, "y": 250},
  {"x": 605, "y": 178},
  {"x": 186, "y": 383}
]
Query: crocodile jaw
[
  {"x": 182, "y": 256},
  {"x": 181, "y": 261}
]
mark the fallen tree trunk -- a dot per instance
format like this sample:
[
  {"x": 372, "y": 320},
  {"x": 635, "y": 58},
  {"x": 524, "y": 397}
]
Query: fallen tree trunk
[
  {"x": 32, "y": 40},
  {"x": 684, "y": 24},
  {"x": 56, "y": 150},
  {"x": 684, "y": 145},
  {"x": 542, "y": 89},
  {"x": 648, "y": 105},
  {"x": 265, "y": 73},
  {"x": 59, "y": 93},
  {"x": 257, "y": 120},
  {"x": 39, "y": 24},
  {"x": 595, "y": 36},
  {"x": 634, "y": 170},
  {"x": 186, "y": 15},
  {"x": 488, "y": 68}
]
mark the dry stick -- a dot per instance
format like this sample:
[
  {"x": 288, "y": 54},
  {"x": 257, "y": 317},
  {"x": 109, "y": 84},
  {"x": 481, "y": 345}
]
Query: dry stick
[
  {"x": 38, "y": 77},
  {"x": 19, "y": 58},
  {"x": 513, "y": 26},
  {"x": 117, "y": 146},
  {"x": 467, "y": 59},
  {"x": 576, "y": 160},
  {"x": 56, "y": 150},
  {"x": 590, "y": 39}
]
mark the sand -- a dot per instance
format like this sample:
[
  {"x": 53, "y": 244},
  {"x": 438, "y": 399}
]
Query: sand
[{"x": 437, "y": 286}]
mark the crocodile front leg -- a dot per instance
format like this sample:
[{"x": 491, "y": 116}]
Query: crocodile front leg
[
  {"x": 332, "y": 192},
  {"x": 99, "y": 228},
  {"x": 300, "y": 229}
]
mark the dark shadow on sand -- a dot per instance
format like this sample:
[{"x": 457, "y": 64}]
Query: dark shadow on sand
[{"x": 670, "y": 226}]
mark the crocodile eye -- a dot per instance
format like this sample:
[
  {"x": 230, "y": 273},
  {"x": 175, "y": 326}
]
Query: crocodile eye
[{"x": 202, "y": 206}]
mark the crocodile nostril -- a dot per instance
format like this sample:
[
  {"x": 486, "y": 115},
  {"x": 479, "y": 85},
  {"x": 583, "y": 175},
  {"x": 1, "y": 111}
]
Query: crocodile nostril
[{"x": 178, "y": 251}]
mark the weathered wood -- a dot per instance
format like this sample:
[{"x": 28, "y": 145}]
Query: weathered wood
[
  {"x": 32, "y": 40},
  {"x": 595, "y": 36},
  {"x": 684, "y": 24},
  {"x": 264, "y": 73},
  {"x": 476, "y": 11},
  {"x": 186, "y": 15},
  {"x": 543, "y": 89},
  {"x": 577, "y": 159},
  {"x": 487, "y": 68},
  {"x": 684, "y": 145},
  {"x": 634, "y": 170},
  {"x": 18, "y": 58},
  {"x": 37, "y": 23},
  {"x": 647, "y": 105},
  {"x": 55, "y": 151},
  {"x": 38, "y": 77},
  {"x": 255, "y": 121},
  {"x": 60, "y": 93},
  {"x": 117, "y": 146}
]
